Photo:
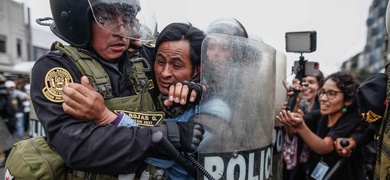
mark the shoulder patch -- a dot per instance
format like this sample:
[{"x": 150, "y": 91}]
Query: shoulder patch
[{"x": 55, "y": 80}]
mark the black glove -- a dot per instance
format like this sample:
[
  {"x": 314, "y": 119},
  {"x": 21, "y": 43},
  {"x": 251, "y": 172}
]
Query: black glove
[
  {"x": 176, "y": 109},
  {"x": 192, "y": 86},
  {"x": 198, "y": 89},
  {"x": 185, "y": 136}
]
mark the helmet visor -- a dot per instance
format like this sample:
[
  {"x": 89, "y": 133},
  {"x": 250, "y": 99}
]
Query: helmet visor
[
  {"x": 117, "y": 16},
  {"x": 148, "y": 26}
]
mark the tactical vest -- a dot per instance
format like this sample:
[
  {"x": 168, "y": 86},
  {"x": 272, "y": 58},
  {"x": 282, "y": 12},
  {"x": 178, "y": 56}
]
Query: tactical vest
[{"x": 139, "y": 107}]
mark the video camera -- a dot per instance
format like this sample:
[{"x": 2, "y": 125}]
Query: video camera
[{"x": 302, "y": 42}]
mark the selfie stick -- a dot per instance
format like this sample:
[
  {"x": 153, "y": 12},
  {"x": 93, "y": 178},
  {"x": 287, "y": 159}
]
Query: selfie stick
[
  {"x": 339, "y": 163},
  {"x": 159, "y": 139},
  {"x": 300, "y": 75}
]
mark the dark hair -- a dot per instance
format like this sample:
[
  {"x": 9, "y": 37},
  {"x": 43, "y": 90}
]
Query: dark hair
[
  {"x": 184, "y": 31},
  {"x": 348, "y": 85},
  {"x": 320, "y": 79}
]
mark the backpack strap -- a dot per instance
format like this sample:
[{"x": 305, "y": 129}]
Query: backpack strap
[{"x": 89, "y": 67}]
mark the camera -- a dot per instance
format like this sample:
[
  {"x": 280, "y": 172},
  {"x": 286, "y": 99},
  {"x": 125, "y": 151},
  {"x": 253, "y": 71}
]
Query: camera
[{"x": 303, "y": 42}]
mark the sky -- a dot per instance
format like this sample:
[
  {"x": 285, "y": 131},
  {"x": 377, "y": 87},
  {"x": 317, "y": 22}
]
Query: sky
[{"x": 340, "y": 24}]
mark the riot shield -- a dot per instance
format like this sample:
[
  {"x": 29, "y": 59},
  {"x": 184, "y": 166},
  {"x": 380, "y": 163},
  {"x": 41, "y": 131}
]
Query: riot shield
[
  {"x": 237, "y": 110},
  {"x": 280, "y": 98}
]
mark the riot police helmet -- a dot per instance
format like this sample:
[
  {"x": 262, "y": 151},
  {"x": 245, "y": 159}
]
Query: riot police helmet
[
  {"x": 228, "y": 26},
  {"x": 72, "y": 19}
]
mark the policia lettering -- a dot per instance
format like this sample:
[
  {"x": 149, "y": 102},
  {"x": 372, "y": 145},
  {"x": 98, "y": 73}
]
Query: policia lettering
[{"x": 97, "y": 76}]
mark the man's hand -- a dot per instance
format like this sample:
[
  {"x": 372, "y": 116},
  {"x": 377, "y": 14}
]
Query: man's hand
[
  {"x": 83, "y": 102},
  {"x": 182, "y": 92},
  {"x": 344, "y": 151}
]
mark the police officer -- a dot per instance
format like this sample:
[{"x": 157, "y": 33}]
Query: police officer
[{"x": 100, "y": 30}]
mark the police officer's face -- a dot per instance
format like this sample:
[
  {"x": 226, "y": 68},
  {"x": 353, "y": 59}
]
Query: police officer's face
[
  {"x": 218, "y": 50},
  {"x": 173, "y": 64},
  {"x": 108, "y": 45}
]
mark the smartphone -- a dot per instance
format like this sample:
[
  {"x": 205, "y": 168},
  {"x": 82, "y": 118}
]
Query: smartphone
[{"x": 311, "y": 68}]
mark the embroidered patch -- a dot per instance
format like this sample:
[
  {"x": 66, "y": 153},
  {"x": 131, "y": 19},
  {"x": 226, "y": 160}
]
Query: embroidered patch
[
  {"x": 144, "y": 119},
  {"x": 55, "y": 80},
  {"x": 371, "y": 116}
]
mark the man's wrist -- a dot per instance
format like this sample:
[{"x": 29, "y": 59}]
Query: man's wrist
[{"x": 117, "y": 120}]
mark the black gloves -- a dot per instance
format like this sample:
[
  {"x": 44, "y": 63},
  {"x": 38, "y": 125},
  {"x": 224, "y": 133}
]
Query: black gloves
[
  {"x": 185, "y": 136},
  {"x": 198, "y": 89},
  {"x": 176, "y": 109}
]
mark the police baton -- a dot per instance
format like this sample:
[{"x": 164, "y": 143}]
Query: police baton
[
  {"x": 339, "y": 163},
  {"x": 159, "y": 139},
  {"x": 185, "y": 162}
]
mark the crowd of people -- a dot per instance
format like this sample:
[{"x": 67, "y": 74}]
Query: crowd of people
[
  {"x": 101, "y": 98},
  {"x": 14, "y": 112}
]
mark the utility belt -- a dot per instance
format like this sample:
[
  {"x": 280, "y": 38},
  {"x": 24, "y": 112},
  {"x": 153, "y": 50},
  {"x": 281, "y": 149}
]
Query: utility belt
[{"x": 80, "y": 175}]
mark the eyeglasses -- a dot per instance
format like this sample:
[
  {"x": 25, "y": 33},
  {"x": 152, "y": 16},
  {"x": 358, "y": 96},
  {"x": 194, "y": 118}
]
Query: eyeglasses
[{"x": 329, "y": 94}]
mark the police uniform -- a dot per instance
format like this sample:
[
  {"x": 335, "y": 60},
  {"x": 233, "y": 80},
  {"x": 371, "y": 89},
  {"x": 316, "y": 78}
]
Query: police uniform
[{"x": 83, "y": 144}]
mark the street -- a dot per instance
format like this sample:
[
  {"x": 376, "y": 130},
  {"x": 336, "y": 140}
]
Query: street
[{"x": 1, "y": 173}]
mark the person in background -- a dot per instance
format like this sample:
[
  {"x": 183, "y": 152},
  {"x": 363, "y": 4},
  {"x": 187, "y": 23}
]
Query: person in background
[
  {"x": 26, "y": 108},
  {"x": 17, "y": 98},
  {"x": 7, "y": 139},
  {"x": 375, "y": 110},
  {"x": 338, "y": 117},
  {"x": 295, "y": 151}
]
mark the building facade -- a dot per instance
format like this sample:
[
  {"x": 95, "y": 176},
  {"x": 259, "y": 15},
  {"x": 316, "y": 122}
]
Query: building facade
[
  {"x": 20, "y": 43},
  {"x": 375, "y": 55}
]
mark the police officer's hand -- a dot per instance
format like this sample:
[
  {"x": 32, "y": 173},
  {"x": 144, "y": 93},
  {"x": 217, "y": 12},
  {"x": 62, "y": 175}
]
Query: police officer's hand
[
  {"x": 83, "y": 102},
  {"x": 185, "y": 136},
  {"x": 184, "y": 92}
]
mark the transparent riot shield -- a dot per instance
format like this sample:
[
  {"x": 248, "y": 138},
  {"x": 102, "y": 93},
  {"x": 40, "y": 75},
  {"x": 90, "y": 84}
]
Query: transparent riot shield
[
  {"x": 280, "y": 98},
  {"x": 237, "y": 109}
]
